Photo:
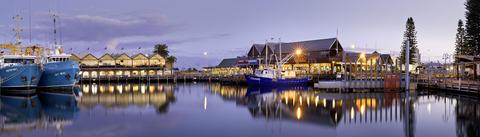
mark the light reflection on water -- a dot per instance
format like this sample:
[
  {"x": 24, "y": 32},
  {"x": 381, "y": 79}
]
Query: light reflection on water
[{"x": 218, "y": 110}]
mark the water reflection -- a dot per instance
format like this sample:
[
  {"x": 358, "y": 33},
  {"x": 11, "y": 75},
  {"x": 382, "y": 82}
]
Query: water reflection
[
  {"x": 19, "y": 113},
  {"x": 42, "y": 111},
  {"x": 111, "y": 109},
  {"x": 468, "y": 119},
  {"x": 124, "y": 95},
  {"x": 330, "y": 109}
]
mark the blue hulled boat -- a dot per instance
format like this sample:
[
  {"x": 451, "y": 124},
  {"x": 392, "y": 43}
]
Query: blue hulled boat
[
  {"x": 59, "y": 71},
  {"x": 267, "y": 77},
  {"x": 19, "y": 72}
]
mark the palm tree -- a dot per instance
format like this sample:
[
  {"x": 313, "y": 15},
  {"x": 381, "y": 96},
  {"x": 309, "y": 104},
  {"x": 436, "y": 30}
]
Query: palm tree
[
  {"x": 170, "y": 61},
  {"x": 161, "y": 49}
]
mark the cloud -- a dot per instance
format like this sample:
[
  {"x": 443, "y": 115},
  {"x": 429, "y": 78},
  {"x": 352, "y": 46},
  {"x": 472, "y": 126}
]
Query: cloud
[
  {"x": 193, "y": 39},
  {"x": 89, "y": 27}
]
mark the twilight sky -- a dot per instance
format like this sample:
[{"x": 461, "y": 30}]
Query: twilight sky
[{"x": 227, "y": 28}]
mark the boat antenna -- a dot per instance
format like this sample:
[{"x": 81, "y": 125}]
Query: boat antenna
[
  {"x": 54, "y": 16},
  {"x": 17, "y": 29},
  {"x": 30, "y": 21},
  {"x": 59, "y": 21}
]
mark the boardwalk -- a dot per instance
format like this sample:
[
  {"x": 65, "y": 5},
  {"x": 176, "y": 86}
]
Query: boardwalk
[{"x": 462, "y": 86}]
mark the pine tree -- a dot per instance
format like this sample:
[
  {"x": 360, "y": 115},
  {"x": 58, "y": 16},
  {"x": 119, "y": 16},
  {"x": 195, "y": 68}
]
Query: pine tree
[
  {"x": 460, "y": 46},
  {"x": 410, "y": 35},
  {"x": 472, "y": 26}
]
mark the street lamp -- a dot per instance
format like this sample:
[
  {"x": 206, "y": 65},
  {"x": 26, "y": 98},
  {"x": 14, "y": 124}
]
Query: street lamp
[{"x": 298, "y": 51}]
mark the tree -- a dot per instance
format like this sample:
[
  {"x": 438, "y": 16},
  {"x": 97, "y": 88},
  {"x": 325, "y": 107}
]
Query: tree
[
  {"x": 460, "y": 46},
  {"x": 472, "y": 26},
  {"x": 161, "y": 49},
  {"x": 170, "y": 61},
  {"x": 410, "y": 35}
]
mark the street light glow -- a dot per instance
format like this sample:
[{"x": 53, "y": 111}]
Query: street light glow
[{"x": 298, "y": 52}]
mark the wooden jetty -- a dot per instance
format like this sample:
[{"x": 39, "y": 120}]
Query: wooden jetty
[{"x": 450, "y": 85}]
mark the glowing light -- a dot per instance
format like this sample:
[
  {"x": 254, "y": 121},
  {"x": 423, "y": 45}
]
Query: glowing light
[
  {"x": 301, "y": 102},
  {"x": 353, "y": 46},
  {"x": 286, "y": 100},
  {"x": 352, "y": 113},
  {"x": 316, "y": 101},
  {"x": 86, "y": 88},
  {"x": 120, "y": 89},
  {"x": 362, "y": 109},
  {"x": 299, "y": 113},
  {"x": 333, "y": 103},
  {"x": 94, "y": 89},
  {"x": 298, "y": 51},
  {"x": 111, "y": 89},
  {"x": 324, "y": 103},
  {"x": 205, "y": 53},
  {"x": 142, "y": 89},
  {"x": 429, "y": 108},
  {"x": 205, "y": 103}
]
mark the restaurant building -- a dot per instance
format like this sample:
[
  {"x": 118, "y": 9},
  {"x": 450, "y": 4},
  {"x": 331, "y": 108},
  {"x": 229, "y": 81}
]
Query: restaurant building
[
  {"x": 121, "y": 66},
  {"x": 313, "y": 57}
]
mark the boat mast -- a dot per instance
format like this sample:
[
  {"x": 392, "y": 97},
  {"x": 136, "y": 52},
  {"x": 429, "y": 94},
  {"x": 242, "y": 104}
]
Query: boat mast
[
  {"x": 17, "y": 29},
  {"x": 279, "y": 67},
  {"x": 266, "y": 54},
  {"x": 54, "y": 16}
]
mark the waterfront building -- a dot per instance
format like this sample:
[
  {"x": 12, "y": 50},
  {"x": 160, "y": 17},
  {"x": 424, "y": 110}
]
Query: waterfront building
[
  {"x": 121, "y": 66},
  {"x": 466, "y": 66},
  {"x": 323, "y": 57},
  {"x": 231, "y": 66}
]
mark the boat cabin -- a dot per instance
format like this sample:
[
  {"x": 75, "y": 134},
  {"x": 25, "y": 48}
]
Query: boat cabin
[
  {"x": 58, "y": 58},
  {"x": 266, "y": 73},
  {"x": 8, "y": 60}
]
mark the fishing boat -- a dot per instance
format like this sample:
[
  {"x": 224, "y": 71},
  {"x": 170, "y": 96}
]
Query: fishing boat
[
  {"x": 59, "y": 70},
  {"x": 19, "y": 72},
  {"x": 267, "y": 77},
  {"x": 276, "y": 76}
]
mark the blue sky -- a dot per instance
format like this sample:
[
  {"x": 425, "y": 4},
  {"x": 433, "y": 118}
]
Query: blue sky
[{"x": 227, "y": 28}]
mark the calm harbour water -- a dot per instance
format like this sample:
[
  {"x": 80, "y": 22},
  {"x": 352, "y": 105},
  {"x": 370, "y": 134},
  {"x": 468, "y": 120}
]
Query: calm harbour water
[{"x": 200, "y": 109}]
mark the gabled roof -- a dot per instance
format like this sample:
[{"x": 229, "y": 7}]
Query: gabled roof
[
  {"x": 259, "y": 47},
  {"x": 139, "y": 54},
  {"x": 89, "y": 55},
  {"x": 106, "y": 55},
  {"x": 229, "y": 62},
  {"x": 120, "y": 55},
  {"x": 75, "y": 56},
  {"x": 310, "y": 45},
  {"x": 256, "y": 49},
  {"x": 387, "y": 58}
]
